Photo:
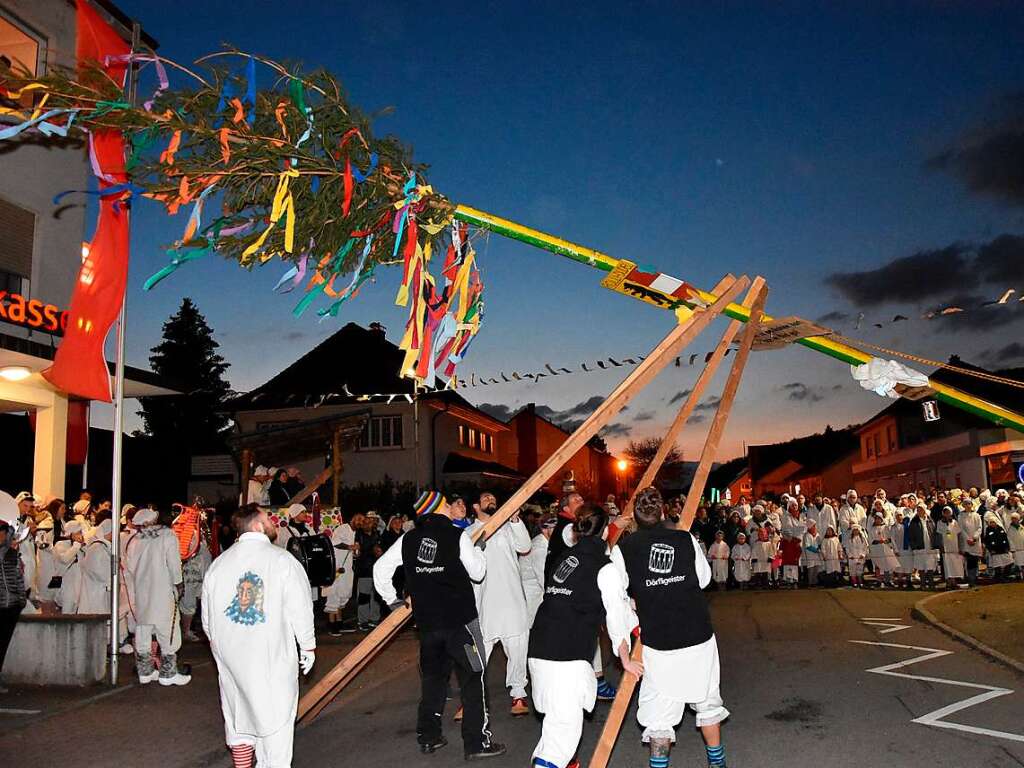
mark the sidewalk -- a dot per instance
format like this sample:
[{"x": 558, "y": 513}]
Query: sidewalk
[{"x": 990, "y": 619}]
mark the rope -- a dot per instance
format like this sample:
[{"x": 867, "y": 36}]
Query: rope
[{"x": 934, "y": 363}]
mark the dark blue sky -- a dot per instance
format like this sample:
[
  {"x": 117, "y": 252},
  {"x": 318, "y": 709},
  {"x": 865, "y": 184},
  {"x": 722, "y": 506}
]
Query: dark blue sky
[{"x": 789, "y": 139}]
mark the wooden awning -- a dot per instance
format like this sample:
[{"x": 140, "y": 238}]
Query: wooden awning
[{"x": 302, "y": 440}]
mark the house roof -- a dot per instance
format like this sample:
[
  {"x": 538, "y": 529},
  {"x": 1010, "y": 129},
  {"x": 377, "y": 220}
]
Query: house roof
[
  {"x": 458, "y": 463},
  {"x": 813, "y": 453},
  {"x": 351, "y": 363}
]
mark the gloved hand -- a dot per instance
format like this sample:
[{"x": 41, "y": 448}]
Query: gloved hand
[
  {"x": 306, "y": 659},
  {"x": 481, "y": 543}
]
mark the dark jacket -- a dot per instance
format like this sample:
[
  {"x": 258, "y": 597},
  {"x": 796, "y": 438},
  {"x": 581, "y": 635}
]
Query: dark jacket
[
  {"x": 12, "y": 580},
  {"x": 995, "y": 540},
  {"x": 921, "y": 533}
]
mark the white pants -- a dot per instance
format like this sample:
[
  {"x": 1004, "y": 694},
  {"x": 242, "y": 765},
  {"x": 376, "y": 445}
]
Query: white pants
[
  {"x": 791, "y": 572},
  {"x": 169, "y": 638},
  {"x": 953, "y": 565},
  {"x": 562, "y": 690},
  {"x": 339, "y": 593},
  {"x": 515, "y": 648},
  {"x": 658, "y": 713},
  {"x": 273, "y": 751}
]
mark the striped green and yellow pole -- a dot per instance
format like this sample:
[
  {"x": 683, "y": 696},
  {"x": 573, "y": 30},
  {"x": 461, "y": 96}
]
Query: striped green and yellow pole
[{"x": 843, "y": 352}]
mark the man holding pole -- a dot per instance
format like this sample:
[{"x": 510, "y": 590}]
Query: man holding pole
[
  {"x": 441, "y": 563},
  {"x": 664, "y": 571}
]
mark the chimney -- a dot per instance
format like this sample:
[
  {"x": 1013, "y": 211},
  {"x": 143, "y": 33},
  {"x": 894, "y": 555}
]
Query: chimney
[{"x": 377, "y": 329}]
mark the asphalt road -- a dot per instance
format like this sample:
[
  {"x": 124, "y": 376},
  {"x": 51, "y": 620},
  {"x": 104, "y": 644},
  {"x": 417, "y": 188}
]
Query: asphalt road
[{"x": 795, "y": 677}]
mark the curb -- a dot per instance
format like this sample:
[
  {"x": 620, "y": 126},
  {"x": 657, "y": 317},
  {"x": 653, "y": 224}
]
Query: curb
[{"x": 921, "y": 613}]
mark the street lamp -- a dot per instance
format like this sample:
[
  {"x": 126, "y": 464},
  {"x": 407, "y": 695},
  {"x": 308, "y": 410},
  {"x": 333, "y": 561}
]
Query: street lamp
[{"x": 622, "y": 465}]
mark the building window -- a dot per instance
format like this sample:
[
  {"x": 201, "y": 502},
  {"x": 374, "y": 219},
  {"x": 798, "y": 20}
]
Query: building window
[
  {"x": 891, "y": 431},
  {"x": 869, "y": 447},
  {"x": 21, "y": 49},
  {"x": 19, "y": 228},
  {"x": 476, "y": 439},
  {"x": 382, "y": 432}
]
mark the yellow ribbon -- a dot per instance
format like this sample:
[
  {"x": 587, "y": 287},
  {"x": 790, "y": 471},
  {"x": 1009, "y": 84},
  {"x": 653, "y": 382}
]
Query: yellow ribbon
[{"x": 284, "y": 205}]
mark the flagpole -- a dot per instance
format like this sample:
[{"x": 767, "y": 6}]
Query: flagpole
[{"x": 116, "y": 476}]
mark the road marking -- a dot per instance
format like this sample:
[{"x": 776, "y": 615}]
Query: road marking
[
  {"x": 20, "y": 711},
  {"x": 890, "y": 628},
  {"x": 935, "y": 719}
]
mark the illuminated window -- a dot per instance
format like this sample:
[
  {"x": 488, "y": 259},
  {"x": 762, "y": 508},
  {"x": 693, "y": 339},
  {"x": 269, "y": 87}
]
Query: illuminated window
[{"x": 20, "y": 49}]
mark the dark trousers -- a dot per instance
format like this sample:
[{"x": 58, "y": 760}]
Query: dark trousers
[
  {"x": 8, "y": 618},
  {"x": 441, "y": 650}
]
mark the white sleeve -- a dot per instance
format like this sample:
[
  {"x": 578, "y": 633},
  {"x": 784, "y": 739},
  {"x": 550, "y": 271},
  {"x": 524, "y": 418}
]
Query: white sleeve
[
  {"x": 472, "y": 557},
  {"x": 520, "y": 537},
  {"x": 619, "y": 616},
  {"x": 701, "y": 563},
  {"x": 173, "y": 558},
  {"x": 620, "y": 566},
  {"x": 384, "y": 570}
]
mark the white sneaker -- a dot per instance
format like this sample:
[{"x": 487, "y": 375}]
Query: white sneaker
[
  {"x": 150, "y": 678},
  {"x": 178, "y": 679}
]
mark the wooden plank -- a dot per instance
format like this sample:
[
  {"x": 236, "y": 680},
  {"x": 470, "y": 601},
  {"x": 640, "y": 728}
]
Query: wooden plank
[
  {"x": 732, "y": 384},
  {"x": 246, "y": 474},
  {"x": 316, "y": 482},
  {"x": 666, "y": 350},
  {"x": 685, "y": 412},
  {"x": 616, "y": 714},
  {"x": 332, "y": 683}
]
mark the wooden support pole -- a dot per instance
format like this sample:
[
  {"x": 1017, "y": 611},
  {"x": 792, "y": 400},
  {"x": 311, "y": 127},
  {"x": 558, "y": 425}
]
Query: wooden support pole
[
  {"x": 313, "y": 484},
  {"x": 246, "y": 474},
  {"x": 732, "y": 385},
  {"x": 710, "y": 369},
  {"x": 682, "y": 334},
  {"x": 627, "y": 685},
  {"x": 336, "y": 466}
]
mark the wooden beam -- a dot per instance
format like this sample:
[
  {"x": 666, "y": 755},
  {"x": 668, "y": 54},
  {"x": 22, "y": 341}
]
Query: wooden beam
[
  {"x": 616, "y": 714},
  {"x": 246, "y": 474},
  {"x": 336, "y": 466},
  {"x": 315, "y": 483},
  {"x": 682, "y": 334},
  {"x": 732, "y": 384},
  {"x": 756, "y": 298},
  {"x": 710, "y": 369}
]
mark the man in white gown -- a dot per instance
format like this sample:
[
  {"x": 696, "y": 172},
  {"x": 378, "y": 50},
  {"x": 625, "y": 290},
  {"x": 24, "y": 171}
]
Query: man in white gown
[
  {"x": 258, "y": 616},
  {"x": 500, "y": 599},
  {"x": 154, "y": 563}
]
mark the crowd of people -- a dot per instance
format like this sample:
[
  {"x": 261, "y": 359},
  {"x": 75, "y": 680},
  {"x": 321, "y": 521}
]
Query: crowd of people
[
  {"x": 924, "y": 538},
  {"x": 544, "y": 586}
]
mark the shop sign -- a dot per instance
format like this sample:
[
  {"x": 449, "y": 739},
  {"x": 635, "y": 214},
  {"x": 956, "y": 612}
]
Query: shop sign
[{"x": 32, "y": 313}]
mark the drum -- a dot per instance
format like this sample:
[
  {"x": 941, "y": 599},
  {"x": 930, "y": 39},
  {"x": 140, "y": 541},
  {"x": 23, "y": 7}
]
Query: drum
[{"x": 316, "y": 555}]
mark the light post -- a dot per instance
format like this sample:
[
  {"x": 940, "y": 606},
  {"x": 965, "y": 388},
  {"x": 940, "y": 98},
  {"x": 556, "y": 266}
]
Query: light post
[{"x": 622, "y": 466}]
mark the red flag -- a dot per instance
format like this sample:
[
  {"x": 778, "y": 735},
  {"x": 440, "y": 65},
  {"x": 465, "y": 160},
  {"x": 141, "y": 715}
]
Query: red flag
[{"x": 80, "y": 366}]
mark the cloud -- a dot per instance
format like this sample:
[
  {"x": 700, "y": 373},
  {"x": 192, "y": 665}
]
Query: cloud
[
  {"x": 989, "y": 160},
  {"x": 800, "y": 392},
  {"x": 644, "y": 416},
  {"x": 616, "y": 429},
  {"x": 835, "y": 316},
  {"x": 295, "y": 335},
  {"x": 977, "y": 317},
  {"x": 499, "y": 411},
  {"x": 708, "y": 404},
  {"x": 678, "y": 396},
  {"x": 1001, "y": 262},
  {"x": 922, "y": 275},
  {"x": 1011, "y": 352}
]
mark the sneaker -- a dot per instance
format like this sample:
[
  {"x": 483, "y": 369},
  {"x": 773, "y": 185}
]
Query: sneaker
[
  {"x": 335, "y": 631},
  {"x": 152, "y": 677},
  {"x": 606, "y": 691},
  {"x": 519, "y": 708},
  {"x": 365, "y": 627},
  {"x": 429, "y": 747},
  {"x": 177, "y": 679},
  {"x": 346, "y": 630},
  {"x": 458, "y": 715},
  {"x": 491, "y": 750}
]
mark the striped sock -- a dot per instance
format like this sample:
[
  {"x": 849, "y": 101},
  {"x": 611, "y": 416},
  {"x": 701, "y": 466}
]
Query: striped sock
[
  {"x": 659, "y": 762},
  {"x": 243, "y": 755},
  {"x": 716, "y": 756}
]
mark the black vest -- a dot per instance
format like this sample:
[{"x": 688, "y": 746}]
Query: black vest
[
  {"x": 556, "y": 547},
  {"x": 442, "y": 594},
  {"x": 571, "y": 614},
  {"x": 663, "y": 581}
]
